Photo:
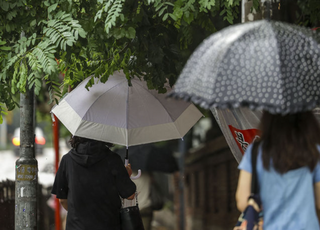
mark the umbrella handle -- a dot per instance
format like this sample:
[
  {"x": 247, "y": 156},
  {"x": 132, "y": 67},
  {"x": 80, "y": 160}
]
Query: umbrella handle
[
  {"x": 126, "y": 162},
  {"x": 136, "y": 176}
]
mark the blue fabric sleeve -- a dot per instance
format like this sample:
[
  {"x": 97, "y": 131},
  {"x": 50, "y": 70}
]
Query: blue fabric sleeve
[
  {"x": 245, "y": 163},
  {"x": 316, "y": 173}
]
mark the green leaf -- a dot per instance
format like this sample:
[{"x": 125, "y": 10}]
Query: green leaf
[
  {"x": 52, "y": 8},
  {"x": 162, "y": 10},
  {"x": 230, "y": 19},
  {"x": 131, "y": 33},
  {"x": 4, "y": 5},
  {"x": 222, "y": 12},
  {"x": 112, "y": 14},
  {"x": 37, "y": 90},
  {"x": 173, "y": 17},
  {"x": 11, "y": 15},
  {"x": 98, "y": 15},
  {"x": 188, "y": 18},
  {"x": 256, "y": 4},
  {"x": 5, "y": 48},
  {"x": 33, "y": 22},
  {"x": 82, "y": 33},
  {"x": 178, "y": 13},
  {"x": 46, "y": 3},
  {"x": 122, "y": 17},
  {"x": 38, "y": 83},
  {"x": 165, "y": 17},
  {"x": 119, "y": 33},
  {"x": 8, "y": 29},
  {"x": 69, "y": 43},
  {"x": 150, "y": 1},
  {"x": 159, "y": 6}
]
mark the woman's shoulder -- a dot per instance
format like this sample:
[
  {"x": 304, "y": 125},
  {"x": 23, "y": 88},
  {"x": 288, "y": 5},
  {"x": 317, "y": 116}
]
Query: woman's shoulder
[{"x": 66, "y": 156}]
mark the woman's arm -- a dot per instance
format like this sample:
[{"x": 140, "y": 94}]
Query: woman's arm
[
  {"x": 131, "y": 197},
  {"x": 64, "y": 203},
  {"x": 243, "y": 190},
  {"x": 317, "y": 194},
  {"x": 129, "y": 170}
]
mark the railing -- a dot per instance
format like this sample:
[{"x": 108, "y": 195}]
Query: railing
[
  {"x": 7, "y": 202},
  {"x": 45, "y": 216}
]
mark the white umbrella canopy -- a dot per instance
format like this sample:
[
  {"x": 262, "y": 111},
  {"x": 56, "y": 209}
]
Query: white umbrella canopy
[{"x": 125, "y": 115}]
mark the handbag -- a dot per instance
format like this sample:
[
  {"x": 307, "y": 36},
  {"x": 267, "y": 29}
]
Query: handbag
[
  {"x": 251, "y": 218},
  {"x": 156, "y": 197},
  {"x": 130, "y": 217}
]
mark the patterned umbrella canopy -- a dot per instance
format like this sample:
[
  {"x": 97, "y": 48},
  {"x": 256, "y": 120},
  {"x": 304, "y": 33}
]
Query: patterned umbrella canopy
[{"x": 264, "y": 64}]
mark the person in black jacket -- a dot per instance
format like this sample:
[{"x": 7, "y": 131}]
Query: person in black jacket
[{"x": 89, "y": 183}]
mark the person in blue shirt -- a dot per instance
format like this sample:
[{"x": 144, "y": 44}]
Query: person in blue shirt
[{"x": 288, "y": 172}]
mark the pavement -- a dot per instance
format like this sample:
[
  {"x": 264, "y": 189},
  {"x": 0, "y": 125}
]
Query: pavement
[
  {"x": 163, "y": 220},
  {"x": 46, "y": 162}
]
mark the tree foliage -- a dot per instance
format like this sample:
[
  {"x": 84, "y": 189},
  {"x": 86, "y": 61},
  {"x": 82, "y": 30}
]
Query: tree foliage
[
  {"x": 5, "y": 98},
  {"x": 149, "y": 38},
  {"x": 309, "y": 14},
  {"x": 53, "y": 44}
]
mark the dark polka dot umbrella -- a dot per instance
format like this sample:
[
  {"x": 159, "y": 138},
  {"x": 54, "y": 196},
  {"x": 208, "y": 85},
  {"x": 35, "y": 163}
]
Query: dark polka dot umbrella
[{"x": 265, "y": 65}]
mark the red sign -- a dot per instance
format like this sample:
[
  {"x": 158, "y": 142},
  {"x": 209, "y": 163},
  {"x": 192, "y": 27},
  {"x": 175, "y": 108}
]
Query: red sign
[{"x": 243, "y": 137}]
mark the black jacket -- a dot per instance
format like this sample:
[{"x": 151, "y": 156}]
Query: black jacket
[{"x": 92, "y": 178}]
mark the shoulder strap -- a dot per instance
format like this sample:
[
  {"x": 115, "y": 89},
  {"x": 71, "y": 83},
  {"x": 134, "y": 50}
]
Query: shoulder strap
[{"x": 254, "y": 181}]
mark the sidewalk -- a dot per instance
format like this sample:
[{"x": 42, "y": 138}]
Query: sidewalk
[{"x": 163, "y": 220}]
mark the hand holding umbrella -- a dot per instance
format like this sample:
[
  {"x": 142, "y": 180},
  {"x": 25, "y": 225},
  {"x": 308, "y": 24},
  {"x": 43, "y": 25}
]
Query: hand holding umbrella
[{"x": 128, "y": 167}]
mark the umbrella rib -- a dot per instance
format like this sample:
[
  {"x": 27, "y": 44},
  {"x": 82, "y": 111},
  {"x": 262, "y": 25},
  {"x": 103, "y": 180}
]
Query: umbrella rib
[
  {"x": 102, "y": 95},
  {"x": 162, "y": 106},
  {"x": 95, "y": 101}
]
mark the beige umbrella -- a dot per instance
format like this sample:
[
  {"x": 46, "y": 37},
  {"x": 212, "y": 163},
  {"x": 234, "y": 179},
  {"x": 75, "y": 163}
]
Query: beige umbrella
[{"x": 124, "y": 115}]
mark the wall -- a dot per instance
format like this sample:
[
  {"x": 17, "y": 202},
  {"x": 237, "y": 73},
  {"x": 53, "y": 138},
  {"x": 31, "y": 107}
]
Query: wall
[{"x": 211, "y": 177}]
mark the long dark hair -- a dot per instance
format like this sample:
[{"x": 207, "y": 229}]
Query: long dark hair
[
  {"x": 75, "y": 141},
  {"x": 290, "y": 141}
]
